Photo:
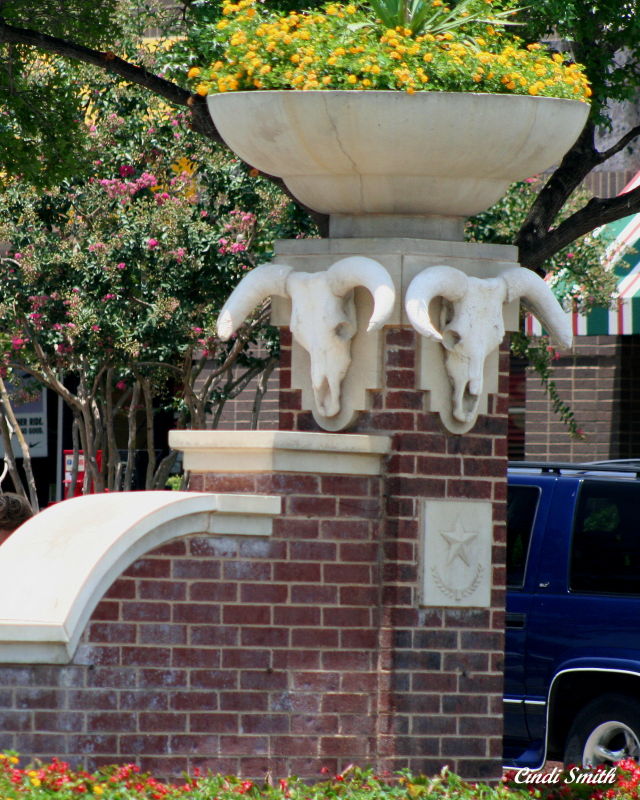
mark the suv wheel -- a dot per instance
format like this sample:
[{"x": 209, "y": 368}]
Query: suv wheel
[{"x": 604, "y": 732}]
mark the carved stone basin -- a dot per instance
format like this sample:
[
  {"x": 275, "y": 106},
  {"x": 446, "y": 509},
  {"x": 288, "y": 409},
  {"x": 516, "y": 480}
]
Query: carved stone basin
[{"x": 391, "y": 153}]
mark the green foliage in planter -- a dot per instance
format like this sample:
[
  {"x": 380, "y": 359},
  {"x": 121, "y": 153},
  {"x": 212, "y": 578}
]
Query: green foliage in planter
[{"x": 349, "y": 47}]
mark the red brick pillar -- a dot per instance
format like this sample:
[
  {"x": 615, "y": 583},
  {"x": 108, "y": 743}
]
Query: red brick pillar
[{"x": 384, "y": 680}]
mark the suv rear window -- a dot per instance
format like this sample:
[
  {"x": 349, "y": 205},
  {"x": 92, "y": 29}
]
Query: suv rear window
[
  {"x": 605, "y": 553},
  {"x": 522, "y": 503}
]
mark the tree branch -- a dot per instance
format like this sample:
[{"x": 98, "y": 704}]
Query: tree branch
[
  {"x": 109, "y": 61},
  {"x": 620, "y": 144},
  {"x": 598, "y": 211}
]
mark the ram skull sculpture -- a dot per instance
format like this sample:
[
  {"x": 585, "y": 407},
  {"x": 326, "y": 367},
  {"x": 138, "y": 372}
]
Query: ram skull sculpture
[
  {"x": 323, "y": 314},
  {"x": 471, "y": 323}
]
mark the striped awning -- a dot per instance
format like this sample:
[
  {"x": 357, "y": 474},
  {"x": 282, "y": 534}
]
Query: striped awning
[{"x": 624, "y": 316}]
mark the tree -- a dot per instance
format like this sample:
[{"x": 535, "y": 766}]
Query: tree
[
  {"x": 114, "y": 280},
  {"x": 602, "y": 34}
]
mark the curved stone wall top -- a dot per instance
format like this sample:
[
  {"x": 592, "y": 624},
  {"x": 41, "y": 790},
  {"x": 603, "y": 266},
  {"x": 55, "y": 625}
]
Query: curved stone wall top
[{"x": 56, "y": 567}]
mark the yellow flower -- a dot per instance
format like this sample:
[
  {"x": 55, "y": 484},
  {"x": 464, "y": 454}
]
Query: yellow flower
[
  {"x": 98, "y": 789},
  {"x": 202, "y": 89},
  {"x": 193, "y": 72},
  {"x": 352, "y": 79},
  {"x": 350, "y": 9}
]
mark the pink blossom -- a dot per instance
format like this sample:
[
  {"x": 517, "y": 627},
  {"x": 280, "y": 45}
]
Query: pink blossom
[
  {"x": 179, "y": 254},
  {"x": 57, "y": 326},
  {"x": 96, "y": 246},
  {"x": 204, "y": 213},
  {"x": 18, "y": 343},
  {"x": 145, "y": 181},
  {"x": 108, "y": 297},
  {"x": 571, "y": 255},
  {"x": 151, "y": 243},
  {"x": 95, "y": 327},
  {"x": 121, "y": 385},
  {"x": 17, "y": 256},
  {"x": 197, "y": 330},
  {"x": 121, "y": 265},
  {"x": 126, "y": 171},
  {"x": 238, "y": 247},
  {"x": 35, "y": 315}
]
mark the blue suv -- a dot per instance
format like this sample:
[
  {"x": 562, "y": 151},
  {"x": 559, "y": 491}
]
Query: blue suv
[{"x": 572, "y": 656}]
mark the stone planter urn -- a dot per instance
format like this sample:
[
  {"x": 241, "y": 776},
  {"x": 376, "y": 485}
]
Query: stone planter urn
[
  {"x": 383, "y": 165},
  {"x": 430, "y": 154}
]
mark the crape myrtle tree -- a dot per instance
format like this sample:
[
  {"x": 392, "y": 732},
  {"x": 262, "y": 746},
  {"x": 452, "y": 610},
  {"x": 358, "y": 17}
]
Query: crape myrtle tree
[
  {"x": 44, "y": 139},
  {"x": 111, "y": 285}
]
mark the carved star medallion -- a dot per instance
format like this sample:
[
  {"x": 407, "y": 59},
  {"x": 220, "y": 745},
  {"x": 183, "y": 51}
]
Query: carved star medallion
[{"x": 459, "y": 541}]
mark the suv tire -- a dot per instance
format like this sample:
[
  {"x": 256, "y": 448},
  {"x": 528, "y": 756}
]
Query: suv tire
[{"x": 605, "y": 731}]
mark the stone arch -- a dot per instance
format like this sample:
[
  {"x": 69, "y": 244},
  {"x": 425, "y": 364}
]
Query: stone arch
[{"x": 57, "y": 566}]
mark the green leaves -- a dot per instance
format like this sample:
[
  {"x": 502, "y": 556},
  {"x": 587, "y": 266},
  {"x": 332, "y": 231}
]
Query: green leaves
[
  {"x": 41, "y": 131},
  {"x": 603, "y": 35},
  {"x": 435, "y": 17}
]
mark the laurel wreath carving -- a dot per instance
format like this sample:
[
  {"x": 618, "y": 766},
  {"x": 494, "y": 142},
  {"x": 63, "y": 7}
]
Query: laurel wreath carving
[{"x": 458, "y": 594}]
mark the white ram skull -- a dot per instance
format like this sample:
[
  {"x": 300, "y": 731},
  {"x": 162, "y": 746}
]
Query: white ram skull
[
  {"x": 471, "y": 323},
  {"x": 323, "y": 317}
]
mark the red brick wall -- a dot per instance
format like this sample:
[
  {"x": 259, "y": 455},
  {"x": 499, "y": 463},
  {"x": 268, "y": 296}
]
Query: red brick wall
[
  {"x": 302, "y": 651},
  {"x": 230, "y": 653},
  {"x": 600, "y": 381}
]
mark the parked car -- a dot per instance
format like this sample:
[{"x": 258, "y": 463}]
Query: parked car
[{"x": 572, "y": 664}]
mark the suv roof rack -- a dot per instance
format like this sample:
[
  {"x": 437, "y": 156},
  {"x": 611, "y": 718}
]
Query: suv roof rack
[{"x": 626, "y": 465}]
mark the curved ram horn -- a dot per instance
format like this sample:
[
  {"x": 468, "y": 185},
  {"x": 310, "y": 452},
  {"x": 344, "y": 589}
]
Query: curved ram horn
[
  {"x": 540, "y": 300},
  {"x": 256, "y": 286},
  {"x": 354, "y": 271},
  {"x": 432, "y": 282}
]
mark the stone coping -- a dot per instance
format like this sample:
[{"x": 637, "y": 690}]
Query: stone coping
[
  {"x": 375, "y": 246},
  {"x": 56, "y": 567},
  {"x": 281, "y": 451}
]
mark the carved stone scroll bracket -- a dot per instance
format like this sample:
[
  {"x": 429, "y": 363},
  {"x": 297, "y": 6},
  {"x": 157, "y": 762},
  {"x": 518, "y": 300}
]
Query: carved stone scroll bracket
[{"x": 455, "y": 553}]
